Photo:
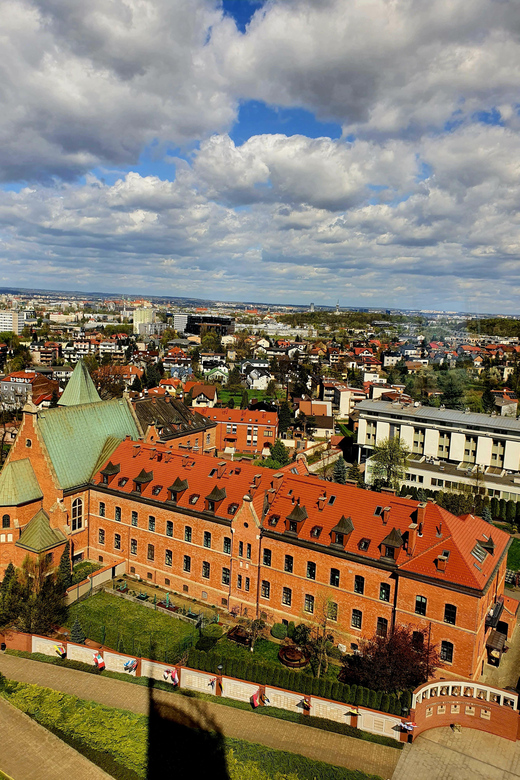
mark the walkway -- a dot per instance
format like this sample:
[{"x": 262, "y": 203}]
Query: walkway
[
  {"x": 282, "y": 735},
  {"x": 30, "y": 752},
  {"x": 442, "y": 754}
]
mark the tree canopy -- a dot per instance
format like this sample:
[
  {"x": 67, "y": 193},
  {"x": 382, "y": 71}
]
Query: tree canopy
[{"x": 389, "y": 462}]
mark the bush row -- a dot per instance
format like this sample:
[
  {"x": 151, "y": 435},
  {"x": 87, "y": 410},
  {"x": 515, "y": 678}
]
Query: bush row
[{"x": 281, "y": 677}]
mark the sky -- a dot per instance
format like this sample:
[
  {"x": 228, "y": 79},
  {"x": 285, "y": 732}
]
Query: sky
[{"x": 291, "y": 151}]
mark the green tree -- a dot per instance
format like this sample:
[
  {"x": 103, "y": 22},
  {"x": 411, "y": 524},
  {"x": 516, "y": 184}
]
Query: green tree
[
  {"x": 244, "y": 403},
  {"x": 486, "y": 515},
  {"x": 54, "y": 400},
  {"x": 488, "y": 399},
  {"x": 389, "y": 462},
  {"x": 354, "y": 473},
  {"x": 280, "y": 453},
  {"x": 339, "y": 474},
  {"x": 77, "y": 634},
  {"x": 65, "y": 568},
  {"x": 136, "y": 385},
  {"x": 270, "y": 390},
  {"x": 284, "y": 417}
]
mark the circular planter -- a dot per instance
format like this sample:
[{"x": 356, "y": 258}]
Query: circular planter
[
  {"x": 239, "y": 635},
  {"x": 293, "y": 657}
]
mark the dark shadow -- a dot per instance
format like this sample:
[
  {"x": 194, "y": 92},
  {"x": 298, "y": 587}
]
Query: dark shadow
[{"x": 184, "y": 740}]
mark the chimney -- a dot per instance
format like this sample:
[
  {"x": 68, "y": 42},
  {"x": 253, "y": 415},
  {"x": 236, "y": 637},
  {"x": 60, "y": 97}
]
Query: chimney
[
  {"x": 221, "y": 467},
  {"x": 412, "y": 537},
  {"x": 185, "y": 460},
  {"x": 421, "y": 512},
  {"x": 136, "y": 448},
  {"x": 257, "y": 478},
  {"x": 351, "y": 482},
  {"x": 270, "y": 494},
  {"x": 385, "y": 514},
  {"x": 391, "y": 491},
  {"x": 441, "y": 563},
  {"x": 277, "y": 481},
  {"x": 321, "y": 502}
]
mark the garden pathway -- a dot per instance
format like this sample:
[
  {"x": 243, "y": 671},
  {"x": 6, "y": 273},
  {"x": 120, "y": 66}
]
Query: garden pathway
[{"x": 319, "y": 745}]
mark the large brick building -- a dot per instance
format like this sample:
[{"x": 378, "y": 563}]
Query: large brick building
[
  {"x": 242, "y": 430},
  {"x": 250, "y": 539}
]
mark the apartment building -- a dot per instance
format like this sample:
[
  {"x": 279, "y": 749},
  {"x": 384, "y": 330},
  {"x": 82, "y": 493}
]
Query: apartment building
[
  {"x": 450, "y": 450},
  {"x": 241, "y": 430},
  {"x": 11, "y": 321}
]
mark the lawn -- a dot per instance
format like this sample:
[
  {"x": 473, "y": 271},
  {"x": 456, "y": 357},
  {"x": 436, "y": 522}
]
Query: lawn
[
  {"x": 133, "y": 747},
  {"x": 130, "y": 628},
  {"x": 513, "y": 555}
]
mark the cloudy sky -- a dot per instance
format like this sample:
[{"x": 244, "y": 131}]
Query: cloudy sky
[{"x": 366, "y": 151}]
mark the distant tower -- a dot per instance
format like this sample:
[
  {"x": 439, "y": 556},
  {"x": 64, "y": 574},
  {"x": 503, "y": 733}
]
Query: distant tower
[
  {"x": 311, "y": 308},
  {"x": 337, "y": 308}
]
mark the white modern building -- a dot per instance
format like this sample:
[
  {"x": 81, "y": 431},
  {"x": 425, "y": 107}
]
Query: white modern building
[
  {"x": 450, "y": 450},
  {"x": 143, "y": 316},
  {"x": 11, "y": 321}
]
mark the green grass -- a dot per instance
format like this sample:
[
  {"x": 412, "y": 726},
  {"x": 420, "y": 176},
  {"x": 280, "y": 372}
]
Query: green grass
[
  {"x": 117, "y": 741},
  {"x": 129, "y": 627},
  {"x": 264, "y": 650},
  {"x": 513, "y": 555}
]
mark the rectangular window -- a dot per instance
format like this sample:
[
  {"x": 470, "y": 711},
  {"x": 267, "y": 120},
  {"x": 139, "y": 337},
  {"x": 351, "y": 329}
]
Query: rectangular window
[
  {"x": 117, "y": 541},
  {"x": 169, "y": 528},
  {"x": 267, "y": 557},
  {"x": 384, "y": 591},
  {"x": 311, "y": 570},
  {"x": 332, "y": 610},
  {"x": 151, "y": 523},
  {"x": 227, "y": 545},
  {"x": 287, "y": 597},
  {"x": 450, "y": 614},
  {"x": 151, "y": 552},
  {"x": 248, "y": 551},
  {"x": 248, "y": 582},
  {"x": 382, "y": 626},
  {"x": 168, "y": 557},
  {"x": 357, "y": 618},
  {"x": 117, "y": 514},
  {"x": 205, "y": 570},
  {"x": 239, "y": 582},
  {"x": 186, "y": 563},
  {"x": 207, "y": 539},
  {"x": 102, "y": 508},
  {"x": 226, "y": 576},
  {"x": 187, "y": 533},
  {"x": 101, "y": 536},
  {"x": 266, "y": 589},
  {"x": 447, "y": 652},
  {"x": 133, "y": 546},
  {"x": 359, "y": 584},
  {"x": 309, "y": 604},
  {"x": 241, "y": 549},
  {"x": 334, "y": 577},
  {"x": 134, "y": 519},
  {"x": 288, "y": 564},
  {"x": 420, "y": 605}
]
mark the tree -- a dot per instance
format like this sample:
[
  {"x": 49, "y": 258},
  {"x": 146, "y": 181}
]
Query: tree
[
  {"x": 339, "y": 474},
  {"x": 285, "y": 417},
  {"x": 486, "y": 515},
  {"x": 65, "y": 568},
  {"x": 137, "y": 385},
  {"x": 320, "y": 638},
  {"x": 245, "y": 400},
  {"x": 389, "y": 462},
  {"x": 354, "y": 473},
  {"x": 280, "y": 453},
  {"x": 54, "y": 400},
  {"x": 270, "y": 390},
  {"x": 488, "y": 399},
  {"x": 231, "y": 402},
  {"x": 77, "y": 634},
  {"x": 402, "y": 660}
]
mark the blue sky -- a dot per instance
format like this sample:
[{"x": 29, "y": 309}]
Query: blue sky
[{"x": 290, "y": 151}]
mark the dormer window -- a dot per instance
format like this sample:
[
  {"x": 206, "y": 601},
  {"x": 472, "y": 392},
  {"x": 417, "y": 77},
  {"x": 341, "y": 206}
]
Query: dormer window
[
  {"x": 340, "y": 539},
  {"x": 178, "y": 487},
  {"x": 110, "y": 470},
  {"x": 316, "y": 531},
  {"x": 142, "y": 479},
  {"x": 156, "y": 489},
  {"x": 364, "y": 544},
  {"x": 211, "y": 506},
  {"x": 273, "y": 520},
  {"x": 194, "y": 498},
  {"x": 232, "y": 509},
  {"x": 293, "y": 526}
]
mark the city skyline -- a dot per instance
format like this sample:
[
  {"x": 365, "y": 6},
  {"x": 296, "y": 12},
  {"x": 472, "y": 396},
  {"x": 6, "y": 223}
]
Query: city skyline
[{"x": 294, "y": 151}]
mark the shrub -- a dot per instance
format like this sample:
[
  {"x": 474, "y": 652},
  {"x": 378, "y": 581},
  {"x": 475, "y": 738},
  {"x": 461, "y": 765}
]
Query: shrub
[
  {"x": 385, "y": 702},
  {"x": 360, "y": 696},
  {"x": 372, "y": 700},
  {"x": 290, "y": 629},
  {"x": 406, "y": 700},
  {"x": 213, "y": 631},
  {"x": 279, "y": 631},
  {"x": 353, "y": 692},
  {"x": 301, "y": 634}
]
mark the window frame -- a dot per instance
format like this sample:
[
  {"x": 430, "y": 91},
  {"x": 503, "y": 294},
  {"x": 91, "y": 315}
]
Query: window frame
[
  {"x": 334, "y": 578},
  {"x": 308, "y": 604},
  {"x": 311, "y": 570},
  {"x": 451, "y": 611},
  {"x": 265, "y": 590},
  {"x": 359, "y": 584},
  {"x": 288, "y": 564},
  {"x": 423, "y": 602},
  {"x": 206, "y": 570}
]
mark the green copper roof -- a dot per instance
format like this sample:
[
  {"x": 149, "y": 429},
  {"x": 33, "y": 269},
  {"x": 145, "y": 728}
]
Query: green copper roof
[
  {"x": 38, "y": 536},
  {"x": 18, "y": 483},
  {"x": 76, "y": 436},
  {"x": 80, "y": 388}
]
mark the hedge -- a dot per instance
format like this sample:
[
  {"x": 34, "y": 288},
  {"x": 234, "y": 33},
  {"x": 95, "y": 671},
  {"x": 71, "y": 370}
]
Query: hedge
[
  {"x": 279, "y": 631},
  {"x": 299, "y": 682}
]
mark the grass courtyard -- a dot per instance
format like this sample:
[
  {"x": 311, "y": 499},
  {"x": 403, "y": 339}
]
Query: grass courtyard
[
  {"x": 513, "y": 555},
  {"x": 131, "y": 628}
]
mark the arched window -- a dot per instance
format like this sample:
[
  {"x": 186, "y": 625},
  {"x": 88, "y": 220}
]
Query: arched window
[
  {"x": 6, "y": 521},
  {"x": 77, "y": 514}
]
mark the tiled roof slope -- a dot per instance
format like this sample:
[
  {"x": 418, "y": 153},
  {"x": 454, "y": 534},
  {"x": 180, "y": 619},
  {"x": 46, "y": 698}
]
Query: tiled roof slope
[
  {"x": 76, "y": 435},
  {"x": 18, "y": 484},
  {"x": 441, "y": 531},
  {"x": 38, "y": 536},
  {"x": 168, "y": 465},
  {"x": 80, "y": 388},
  {"x": 171, "y": 416}
]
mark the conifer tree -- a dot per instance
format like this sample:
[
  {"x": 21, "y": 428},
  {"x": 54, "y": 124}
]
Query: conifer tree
[
  {"x": 486, "y": 515},
  {"x": 339, "y": 474},
  {"x": 280, "y": 453},
  {"x": 284, "y": 418},
  {"x": 77, "y": 634},
  {"x": 65, "y": 568}
]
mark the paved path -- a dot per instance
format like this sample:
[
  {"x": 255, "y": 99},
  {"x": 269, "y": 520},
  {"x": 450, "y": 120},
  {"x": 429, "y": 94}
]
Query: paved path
[
  {"x": 30, "y": 752},
  {"x": 442, "y": 754},
  {"x": 282, "y": 735}
]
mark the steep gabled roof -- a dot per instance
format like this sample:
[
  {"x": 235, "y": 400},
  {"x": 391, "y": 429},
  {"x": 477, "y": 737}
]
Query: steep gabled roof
[
  {"x": 18, "y": 483},
  {"x": 80, "y": 388},
  {"x": 38, "y": 536}
]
